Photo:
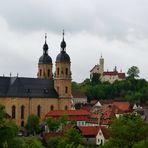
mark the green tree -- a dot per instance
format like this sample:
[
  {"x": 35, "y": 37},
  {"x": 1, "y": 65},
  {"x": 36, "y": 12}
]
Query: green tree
[
  {"x": 53, "y": 142},
  {"x": 53, "y": 124},
  {"x": 133, "y": 72},
  {"x": 126, "y": 131},
  {"x": 75, "y": 86},
  {"x": 33, "y": 124},
  {"x": 63, "y": 120},
  {"x": 8, "y": 129},
  {"x": 18, "y": 142},
  {"x": 141, "y": 144},
  {"x": 95, "y": 80},
  {"x": 72, "y": 138},
  {"x": 33, "y": 142}
]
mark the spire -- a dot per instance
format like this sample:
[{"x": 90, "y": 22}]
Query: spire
[
  {"x": 63, "y": 43},
  {"x": 45, "y": 46},
  {"x": 63, "y": 34},
  {"x": 45, "y": 37}
]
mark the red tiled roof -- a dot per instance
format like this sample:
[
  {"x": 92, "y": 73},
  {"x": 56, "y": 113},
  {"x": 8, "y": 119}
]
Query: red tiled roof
[
  {"x": 102, "y": 102},
  {"x": 94, "y": 116},
  {"x": 89, "y": 130},
  {"x": 121, "y": 75},
  {"x": 87, "y": 108},
  {"x": 114, "y": 73},
  {"x": 78, "y": 94},
  {"x": 122, "y": 106},
  {"x": 93, "y": 131},
  {"x": 73, "y": 115},
  {"x": 111, "y": 73},
  {"x": 93, "y": 102},
  {"x": 107, "y": 112},
  {"x": 78, "y": 112},
  {"x": 105, "y": 132},
  {"x": 78, "y": 118}
]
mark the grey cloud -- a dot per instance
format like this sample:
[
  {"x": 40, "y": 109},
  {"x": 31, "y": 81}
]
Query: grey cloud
[
  {"x": 116, "y": 28},
  {"x": 111, "y": 19}
]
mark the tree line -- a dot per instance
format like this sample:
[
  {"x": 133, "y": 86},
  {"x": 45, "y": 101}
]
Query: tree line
[{"x": 132, "y": 89}]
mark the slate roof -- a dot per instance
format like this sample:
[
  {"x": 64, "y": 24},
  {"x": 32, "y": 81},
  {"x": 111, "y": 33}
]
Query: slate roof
[
  {"x": 27, "y": 87},
  {"x": 63, "y": 57}
]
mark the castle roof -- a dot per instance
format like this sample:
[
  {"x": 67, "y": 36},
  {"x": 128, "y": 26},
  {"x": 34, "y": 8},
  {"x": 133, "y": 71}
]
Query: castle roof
[
  {"x": 27, "y": 87},
  {"x": 96, "y": 66},
  {"x": 114, "y": 73}
]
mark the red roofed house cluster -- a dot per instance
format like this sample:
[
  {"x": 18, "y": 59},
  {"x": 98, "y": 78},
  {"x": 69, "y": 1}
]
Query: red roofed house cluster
[{"x": 93, "y": 124}]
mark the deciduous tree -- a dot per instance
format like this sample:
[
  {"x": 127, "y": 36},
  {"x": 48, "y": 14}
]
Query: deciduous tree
[
  {"x": 33, "y": 124},
  {"x": 126, "y": 131},
  {"x": 133, "y": 72}
]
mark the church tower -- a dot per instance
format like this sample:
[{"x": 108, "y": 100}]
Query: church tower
[
  {"x": 101, "y": 67},
  {"x": 62, "y": 80},
  {"x": 45, "y": 64}
]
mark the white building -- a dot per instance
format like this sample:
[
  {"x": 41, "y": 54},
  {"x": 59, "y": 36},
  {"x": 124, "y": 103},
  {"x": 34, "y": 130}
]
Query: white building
[{"x": 106, "y": 76}]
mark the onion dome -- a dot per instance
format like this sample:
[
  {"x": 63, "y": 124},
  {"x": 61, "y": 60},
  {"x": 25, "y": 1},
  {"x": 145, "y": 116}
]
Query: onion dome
[
  {"x": 63, "y": 56},
  {"x": 45, "y": 58}
]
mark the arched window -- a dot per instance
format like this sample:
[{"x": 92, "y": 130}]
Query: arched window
[
  {"x": 13, "y": 112},
  {"x": 66, "y": 71},
  {"x": 48, "y": 72},
  {"x": 22, "y": 123},
  {"x": 58, "y": 89},
  {"x": 22, "y": 111},
  {"x": 58, "y": 71},
  {"x": 40, "y": 72},
  {"x": 39, "y": 111},
  {"x": 51, "y": 107},
  {"x": 66, "y": 107},
  {"x": 66, "y": 89}
]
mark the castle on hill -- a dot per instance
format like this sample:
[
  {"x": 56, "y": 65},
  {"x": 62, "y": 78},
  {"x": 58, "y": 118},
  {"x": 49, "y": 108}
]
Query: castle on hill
[
  {"x": 107, "y": 76},
  {"x": 24, "y": 96}
]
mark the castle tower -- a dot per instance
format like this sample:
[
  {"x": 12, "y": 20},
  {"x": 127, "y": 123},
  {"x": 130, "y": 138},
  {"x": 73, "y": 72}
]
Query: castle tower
[
  {"x": 62, "y": 80},
  {"x": 101, "y": 68},
  {"x": 45, "y": 64}
]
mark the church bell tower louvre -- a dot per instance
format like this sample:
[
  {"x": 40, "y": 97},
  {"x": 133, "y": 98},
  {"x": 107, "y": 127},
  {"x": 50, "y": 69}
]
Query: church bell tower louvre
[
  {"x": 62, "y": 76},
  {"x": 45, "y": 63}
]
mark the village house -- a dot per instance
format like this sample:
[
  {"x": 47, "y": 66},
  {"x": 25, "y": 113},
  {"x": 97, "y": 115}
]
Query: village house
[
  {"x": 94, "y": 135},
  {"x": 78, "y": 97}
]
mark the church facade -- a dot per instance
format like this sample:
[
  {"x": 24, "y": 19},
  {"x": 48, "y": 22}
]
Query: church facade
[{"x": 25, "y": 96}]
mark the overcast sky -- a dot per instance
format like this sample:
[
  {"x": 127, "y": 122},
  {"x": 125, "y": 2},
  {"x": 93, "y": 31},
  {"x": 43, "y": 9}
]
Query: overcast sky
[{"x": 116, "y": 28}]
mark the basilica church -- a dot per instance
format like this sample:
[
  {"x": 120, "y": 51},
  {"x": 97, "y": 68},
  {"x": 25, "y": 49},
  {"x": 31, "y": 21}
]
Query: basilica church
[{"x": 49, "y": 91}]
